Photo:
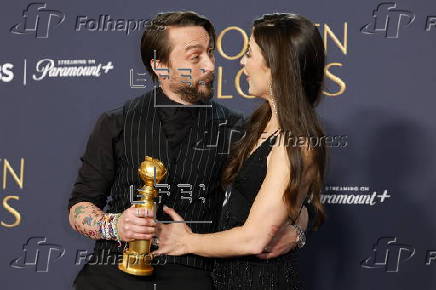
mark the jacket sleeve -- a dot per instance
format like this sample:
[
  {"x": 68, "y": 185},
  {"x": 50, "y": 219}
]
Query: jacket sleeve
[{"x": 96, "y": 174}]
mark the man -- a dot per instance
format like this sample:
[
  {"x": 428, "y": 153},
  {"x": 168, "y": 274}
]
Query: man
[{"x": 178, "y": 124}]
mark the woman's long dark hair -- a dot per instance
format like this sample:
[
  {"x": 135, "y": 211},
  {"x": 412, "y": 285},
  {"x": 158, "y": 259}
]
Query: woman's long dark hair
[{"x": 293, "y": 49}]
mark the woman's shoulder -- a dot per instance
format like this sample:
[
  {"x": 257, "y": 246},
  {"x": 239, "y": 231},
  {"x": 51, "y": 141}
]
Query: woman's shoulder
[{"x": 278, "y": 159}]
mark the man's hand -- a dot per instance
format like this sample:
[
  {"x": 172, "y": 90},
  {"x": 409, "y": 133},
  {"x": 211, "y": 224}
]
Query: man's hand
[
  {"x": 286, "y": 238},
  {"x": 136, "y": 224}
]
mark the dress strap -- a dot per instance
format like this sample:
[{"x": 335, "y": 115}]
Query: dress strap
[{"x": 274, "y": 133}]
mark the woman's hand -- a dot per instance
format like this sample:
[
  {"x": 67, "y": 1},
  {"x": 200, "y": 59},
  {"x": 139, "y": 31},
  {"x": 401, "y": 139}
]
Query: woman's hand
[
  {"x": 286, "y": 238},
  {"x": 174, "y": 237}
]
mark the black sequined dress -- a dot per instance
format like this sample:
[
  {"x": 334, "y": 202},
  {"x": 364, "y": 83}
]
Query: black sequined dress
[{"x": 250, "y": 272}]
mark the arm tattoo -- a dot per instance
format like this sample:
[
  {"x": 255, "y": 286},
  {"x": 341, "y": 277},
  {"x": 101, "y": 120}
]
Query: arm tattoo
[{"x": 86, "y": 219}]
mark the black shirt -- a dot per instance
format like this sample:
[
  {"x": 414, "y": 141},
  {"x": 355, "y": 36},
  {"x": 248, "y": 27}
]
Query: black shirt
[{"x": 192, "y": 142}]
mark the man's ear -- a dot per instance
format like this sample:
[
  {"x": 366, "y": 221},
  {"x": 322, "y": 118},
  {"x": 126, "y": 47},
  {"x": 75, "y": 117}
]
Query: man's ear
[{"x": 160, "y": 69}]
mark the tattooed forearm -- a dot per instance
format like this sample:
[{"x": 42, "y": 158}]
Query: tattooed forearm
[
  {"x": 78, "y": 210},
  {"x": 85, "y": 217}
]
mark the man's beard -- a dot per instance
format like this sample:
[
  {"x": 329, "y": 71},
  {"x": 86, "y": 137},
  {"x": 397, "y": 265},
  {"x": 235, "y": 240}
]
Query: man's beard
[{"x": 201, "y": 90}]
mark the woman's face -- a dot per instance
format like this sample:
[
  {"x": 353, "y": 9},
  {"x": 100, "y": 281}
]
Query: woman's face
[{"x": 255, "y": 69}]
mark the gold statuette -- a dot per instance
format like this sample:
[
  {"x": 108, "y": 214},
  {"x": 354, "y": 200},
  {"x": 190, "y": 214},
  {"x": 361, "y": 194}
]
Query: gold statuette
[{"x": 137, "y": 258}]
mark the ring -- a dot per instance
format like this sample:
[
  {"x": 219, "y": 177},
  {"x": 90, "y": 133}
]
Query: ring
[{"x": 155, "y": 241}]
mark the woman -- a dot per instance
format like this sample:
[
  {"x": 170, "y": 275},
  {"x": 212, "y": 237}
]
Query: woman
[{"x": 284, "y": 65}]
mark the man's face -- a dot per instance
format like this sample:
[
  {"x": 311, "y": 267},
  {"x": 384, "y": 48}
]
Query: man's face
[{"x": 191, "y": 63}]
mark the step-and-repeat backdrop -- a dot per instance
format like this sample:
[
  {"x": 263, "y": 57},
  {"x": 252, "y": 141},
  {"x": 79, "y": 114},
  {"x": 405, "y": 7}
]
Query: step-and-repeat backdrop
[{"x": 379, "y": 107}]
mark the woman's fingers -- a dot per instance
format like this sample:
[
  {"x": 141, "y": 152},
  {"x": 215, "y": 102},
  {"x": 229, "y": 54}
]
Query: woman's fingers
[
  {"x": 172, "y": 213},
  {"x": 303, "y": 218}
]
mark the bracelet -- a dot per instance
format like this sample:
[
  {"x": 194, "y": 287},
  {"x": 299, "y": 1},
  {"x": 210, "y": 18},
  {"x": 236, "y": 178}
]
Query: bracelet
[
  {"x": 108, "y": 226},
  {"x": 114, "y": 226},
  {"x": 301, "y": 237}
]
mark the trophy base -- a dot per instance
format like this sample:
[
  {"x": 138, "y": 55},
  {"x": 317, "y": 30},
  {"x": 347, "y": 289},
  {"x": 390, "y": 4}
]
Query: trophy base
[{"x": 136, "y": 264}]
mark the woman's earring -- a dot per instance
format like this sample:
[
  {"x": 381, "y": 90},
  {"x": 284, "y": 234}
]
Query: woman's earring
[
  {"x": 274, "y": 106},
  {"x": 273, "y": 101}
]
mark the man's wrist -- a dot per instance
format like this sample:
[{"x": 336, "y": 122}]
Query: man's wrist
[
  {"x": 108, "y": 226},
  {"x": 114, "y": 225}
]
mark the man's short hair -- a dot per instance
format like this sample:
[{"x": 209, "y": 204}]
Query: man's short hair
[{"x": 155, "y": 36}]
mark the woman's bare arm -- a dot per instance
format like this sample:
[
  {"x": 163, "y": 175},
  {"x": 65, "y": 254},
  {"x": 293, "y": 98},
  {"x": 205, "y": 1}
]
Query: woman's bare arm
[{"x": 267, "y": 214}]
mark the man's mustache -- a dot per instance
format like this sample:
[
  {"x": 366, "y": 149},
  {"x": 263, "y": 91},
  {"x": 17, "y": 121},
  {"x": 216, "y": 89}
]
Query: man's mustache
[{"x": 208, "y": 79}]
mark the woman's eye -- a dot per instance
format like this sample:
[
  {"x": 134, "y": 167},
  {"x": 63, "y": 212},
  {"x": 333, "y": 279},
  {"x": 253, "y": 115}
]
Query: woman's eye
[{"x": 195, "y": 57}]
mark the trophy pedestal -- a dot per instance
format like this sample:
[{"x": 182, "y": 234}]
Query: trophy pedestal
[
  {"x": 136, "y": 263},
  {"x": 137, "y": 258}
]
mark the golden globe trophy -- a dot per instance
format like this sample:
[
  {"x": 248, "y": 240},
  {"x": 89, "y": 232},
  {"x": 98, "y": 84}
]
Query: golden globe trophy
[{"x": 137, "y": 258}]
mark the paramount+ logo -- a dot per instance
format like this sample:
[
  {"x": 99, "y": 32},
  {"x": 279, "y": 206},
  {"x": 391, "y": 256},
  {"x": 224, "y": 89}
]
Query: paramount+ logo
[
  {"x": 388, "y": 20},
  {"x": 388, "y": 255}
]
